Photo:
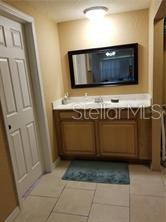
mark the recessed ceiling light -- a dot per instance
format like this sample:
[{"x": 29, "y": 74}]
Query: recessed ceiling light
[{"x": 95, "y": 13}]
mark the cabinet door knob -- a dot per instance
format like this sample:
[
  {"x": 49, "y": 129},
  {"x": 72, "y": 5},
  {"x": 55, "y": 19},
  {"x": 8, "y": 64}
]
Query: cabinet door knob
[{"x": 9, "y": 127}]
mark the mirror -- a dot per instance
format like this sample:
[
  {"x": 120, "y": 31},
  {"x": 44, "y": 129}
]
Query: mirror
[{"x": 104, "y": 66}]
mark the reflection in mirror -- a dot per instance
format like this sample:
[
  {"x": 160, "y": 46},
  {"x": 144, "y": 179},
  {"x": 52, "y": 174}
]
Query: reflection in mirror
[{"x": 104, "y": 66}]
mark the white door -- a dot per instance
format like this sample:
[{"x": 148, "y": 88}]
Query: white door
[{"x": 16, "y": 100}]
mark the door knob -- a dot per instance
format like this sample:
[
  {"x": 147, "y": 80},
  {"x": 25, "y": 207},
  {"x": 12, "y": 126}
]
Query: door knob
[{"x": 9, "y": 127}]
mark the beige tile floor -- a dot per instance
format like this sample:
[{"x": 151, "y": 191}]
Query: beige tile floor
[{"x": 56, "y": 200}]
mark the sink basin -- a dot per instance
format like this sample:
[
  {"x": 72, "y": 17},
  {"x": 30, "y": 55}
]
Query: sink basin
[{"x": 92, "y": 103}]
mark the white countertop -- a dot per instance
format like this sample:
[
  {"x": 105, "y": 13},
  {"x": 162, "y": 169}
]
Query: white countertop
[{"x": 88, "y": 102}]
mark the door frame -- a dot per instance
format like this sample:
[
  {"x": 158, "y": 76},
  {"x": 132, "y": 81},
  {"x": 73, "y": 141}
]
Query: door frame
[{"x": 34, "y": 63}]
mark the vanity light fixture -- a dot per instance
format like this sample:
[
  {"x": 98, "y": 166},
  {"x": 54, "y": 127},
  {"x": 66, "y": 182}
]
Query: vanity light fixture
[
  {"x": 96, "y": 13},
  {"x": 110, "y": 53}
]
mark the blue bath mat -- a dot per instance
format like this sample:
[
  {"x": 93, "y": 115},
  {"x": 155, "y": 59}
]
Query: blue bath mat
[{"x": 98, "y": 171}]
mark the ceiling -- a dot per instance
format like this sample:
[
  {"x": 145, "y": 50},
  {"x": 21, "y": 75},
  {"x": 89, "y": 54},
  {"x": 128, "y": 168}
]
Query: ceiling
[{"x": 65, "y": 10}]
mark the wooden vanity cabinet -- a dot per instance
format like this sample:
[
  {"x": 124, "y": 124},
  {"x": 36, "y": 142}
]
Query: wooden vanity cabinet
[{"x": 79, "y": 136}]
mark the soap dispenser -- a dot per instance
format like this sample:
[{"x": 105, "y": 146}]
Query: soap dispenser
[{"x": 65, "y": 99}]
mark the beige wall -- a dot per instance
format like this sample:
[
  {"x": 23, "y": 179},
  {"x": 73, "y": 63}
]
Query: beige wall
[
  {"x": 155, "y": 4},
  {"x": 116, "y": 29},
  {"x": 158, "y": 64},
  {"x": 49, "y": 54},
  {"x": 165, "y": 68},
  {"x": 8, "y": 200},
  {"x": 156, "y": 76},
  {"x": 158, "y": 90}
]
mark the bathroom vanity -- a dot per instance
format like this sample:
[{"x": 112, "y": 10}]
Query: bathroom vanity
[{"x": 86, "y": 129}]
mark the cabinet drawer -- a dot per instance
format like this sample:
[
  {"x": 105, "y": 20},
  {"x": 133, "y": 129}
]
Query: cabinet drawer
[
  {"x": 110, "y": 114},
  {"x": 70, "y": 115},
  {"x": 118, "y": 114},
  {"x": 128, "y": 114}
]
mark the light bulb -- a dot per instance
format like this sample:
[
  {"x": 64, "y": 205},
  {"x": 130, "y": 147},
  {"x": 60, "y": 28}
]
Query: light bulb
[{"x": 95, "y": 13}]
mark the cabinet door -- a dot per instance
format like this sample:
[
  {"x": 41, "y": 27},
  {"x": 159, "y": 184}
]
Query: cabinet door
[
  {"x": 118, "y": 138},
  {"x": 78, "y": 137}
]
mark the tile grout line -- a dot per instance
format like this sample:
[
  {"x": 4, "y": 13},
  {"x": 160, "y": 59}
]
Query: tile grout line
[
  {"x": 73, "y": 188},
  {"x": 114, "y": 205},
  {"x": 28, "y": 193},
  {"x": 129, "y": 196},
  {"x": 44, "y": 196},
  {"x": 62, "y": 212},
  {"x": 66, "y": 213},
  {"x": 78, "y": 215},
  {"x": 55, "y": 203},
  {"x": 70, "y": 214},
  {"x": 32, "y": 187},
  {"x": 92, "y": 202},
  {"x": 163, "y": 179},
  {"x": 147, "y": 195}
]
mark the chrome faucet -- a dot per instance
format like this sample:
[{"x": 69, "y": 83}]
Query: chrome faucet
[
  {"x": 99, "y": 99},
  {"x": 86, "y": 97}
]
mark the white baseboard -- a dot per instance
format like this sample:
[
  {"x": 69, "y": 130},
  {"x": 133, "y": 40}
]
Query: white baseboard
[
  {"x": 13, "y": 215},
  {"x": 54, "y": 165}
]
